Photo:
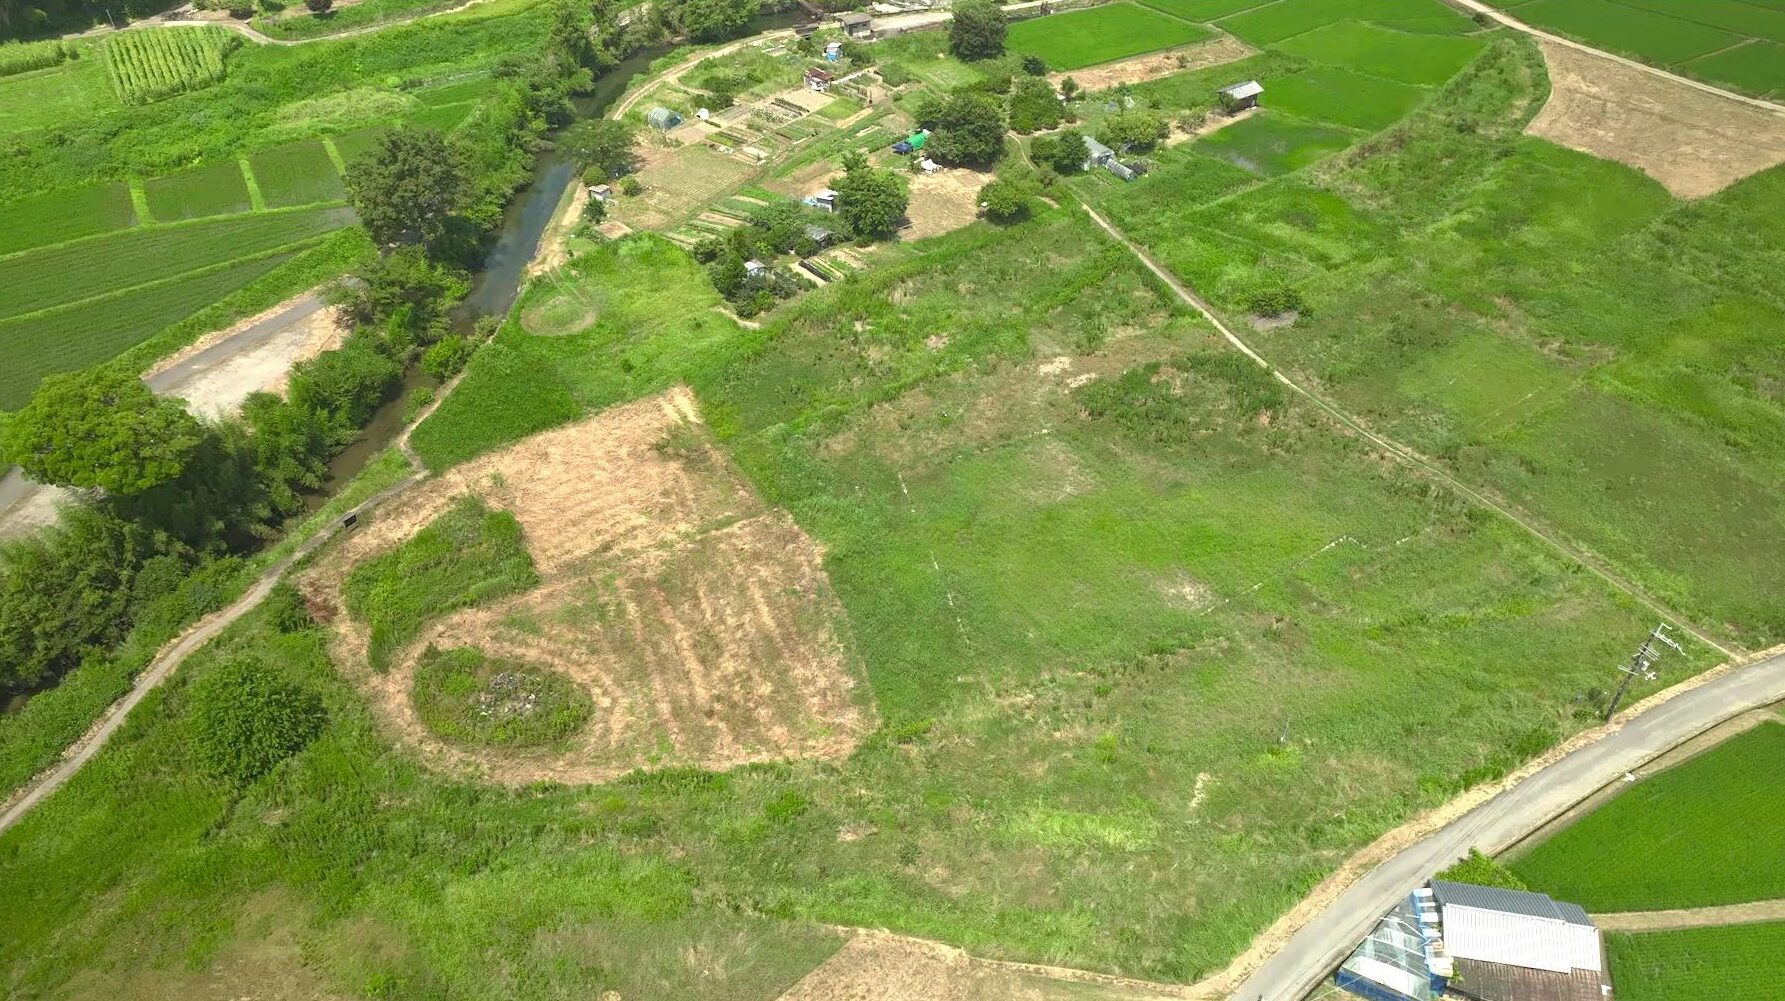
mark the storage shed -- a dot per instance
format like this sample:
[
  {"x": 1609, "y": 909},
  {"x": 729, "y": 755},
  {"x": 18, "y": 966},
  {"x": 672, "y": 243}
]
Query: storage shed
[
  {"x": 1240, "y": 96},
  {"x": 857, "y": 24},
  {"x": 662, "y": 119},
  {"x": 818, "y": 80}
]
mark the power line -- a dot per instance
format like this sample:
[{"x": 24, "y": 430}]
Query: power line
[{"x": 1642, "y": 662}]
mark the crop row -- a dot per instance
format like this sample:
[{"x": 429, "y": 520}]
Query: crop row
[
  {"x": 68, "y": 214},
  {"x": 23, "y": 57},
  {"x": 150, "y": 65},
  {"x": 97, "y": 330},
  {"x": 81, "y": 270}
]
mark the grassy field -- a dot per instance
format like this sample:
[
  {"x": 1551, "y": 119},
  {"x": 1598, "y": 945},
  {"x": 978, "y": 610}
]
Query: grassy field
[
  {"x": 1705, "y": 832},
  {"x": 465, "y": 557},
  {"x": 1732, "y": 43},
  {"x": 1339, "y": 96},
  {"x": 216, "y": 189},
  {"x": 1203, "y": 10},
  {"x": 1433, "y": 254},
  {"x": 1390, "y": 55},
  {"x": 1272, "y": 23},
  {"x": 1271, "y": 144},
  {"x": 1082, "y": 38},
  {"x": 1733, "y": 962}
]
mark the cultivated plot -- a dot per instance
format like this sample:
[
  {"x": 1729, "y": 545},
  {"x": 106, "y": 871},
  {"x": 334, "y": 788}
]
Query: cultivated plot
[
  {"x": 1735, "y": 43},
  {"x": 1113, "y": 31},
  {"x": 1731, "y": 962}
]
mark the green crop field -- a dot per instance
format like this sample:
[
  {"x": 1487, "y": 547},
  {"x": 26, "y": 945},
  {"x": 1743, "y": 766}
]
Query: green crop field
[
  {"x": 299, "y": 174},
  {"x": 1341, "y": 97},
  {"x": 211, "y": 190},
  {"x": 1082, "y": 38},
  {"x": 1270, "y": 144},
  {"x": 1738, "y": 961},
  {"x": 23, "y": 57},
  {"x": 52, "y": 97},
  {"x": 150, "y": 65},
  {"x": 1275, "y": 22},
  {"x": 65, "y": 215},
  {"x": 1734, "y": 43},
  {"x": 1705, "y": 832},
  {"x": 1203, "y": 10},
  {"x": 1391, "y": 55}
]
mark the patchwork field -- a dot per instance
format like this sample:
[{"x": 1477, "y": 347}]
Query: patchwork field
[
  {"x": 1737, "y": 961},
  {"x": 1267, "y": 24},
  {"x": 1708, "y": 831},
  {"x": 1732, "y": 43},
  {"x": 698, "y": 620},
  {"x": 1087, "y": 37}
]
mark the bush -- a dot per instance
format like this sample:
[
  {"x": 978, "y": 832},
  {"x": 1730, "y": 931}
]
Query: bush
[
  {"x": 1480, "y": 870},
  {"x": 1064, "y": 152},
  {"x": 1265, "y": 293},
  {"x": 1004, "y": 201},
  {"x": 245, "y": 721},
  {"x": 629, "y": 186},
  {"x": 1034, "y": 66},
  {"x": 447, "y": 357},
  {"x": 469, "y": 698},
  {"x": 418, "y": 400},
  {"x": 284, "y": 608},
  {"x": 895, "y": 75},
  {"x": 319, "y": 6},
  {"x": 1134, "y": 128}
]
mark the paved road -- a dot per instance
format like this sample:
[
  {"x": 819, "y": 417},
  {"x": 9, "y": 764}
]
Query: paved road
[{"x": 1324, "y": 942}]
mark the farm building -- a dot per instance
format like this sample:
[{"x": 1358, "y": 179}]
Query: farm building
[
  {"x": 824, "y": 200},
  {"x": 857, "y": 24},
  {"x": 819, "y": 235},
  {"x": 913, "y": 142},
  {"x": 601, "y": 192},
  {"x": 662, "y": 119},
  {"x": 833, "y": 51},
  {"x": 1099, "y": 155},
  {"x": 1479, "y": 942},
  {"x": 818, "y": 80},
  {"x": 1240, "y": 96}
]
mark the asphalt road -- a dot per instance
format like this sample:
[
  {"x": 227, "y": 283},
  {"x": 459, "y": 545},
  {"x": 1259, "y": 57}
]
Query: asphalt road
[{"x": 1324, "y": 942}]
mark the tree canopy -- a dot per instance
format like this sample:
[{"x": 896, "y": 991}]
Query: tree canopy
[
  {"x": 604, "y": 144},
  {"x": 977, "y": 30},
  {"x": 966, "y": 128},
  {"x": 102, "y": 429},
  {"x": 870, "y": 202},
  {"x": 406, "y": 185},
  {"x": 1064, "y": 151},
  {"x": 1004, "y": 200},
  {"x": 705, "y": 20},
  {"x": 1134, "y": 129}
]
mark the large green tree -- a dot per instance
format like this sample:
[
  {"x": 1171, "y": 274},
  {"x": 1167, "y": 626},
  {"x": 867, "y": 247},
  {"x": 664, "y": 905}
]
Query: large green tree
[
  {"x": 604, "y": 144},
  {"x": 870, "y": 202},
  {"x": 406, "y": 186},
  {"x": 1065, "y": 151},
  {"x": 967, "y": 128},
  {"x": 101, "y": 429},
  {"x": 977, "y": 30}
]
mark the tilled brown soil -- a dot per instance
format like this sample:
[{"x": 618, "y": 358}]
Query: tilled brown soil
[{"x": 699, "y": 620}]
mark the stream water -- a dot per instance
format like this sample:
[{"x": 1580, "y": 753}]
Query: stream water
[{"x": 495, "y": 286}]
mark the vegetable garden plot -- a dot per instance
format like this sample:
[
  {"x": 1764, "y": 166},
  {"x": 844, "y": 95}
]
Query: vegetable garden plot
[
  {"x": 214, "y": 189},
  {"x": 65, "y": 215},
  {"x": 299, "y": 174},
  {"x": 150, "y": 65}
]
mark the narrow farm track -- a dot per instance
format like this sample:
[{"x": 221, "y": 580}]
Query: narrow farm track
[
  {"x": 1478, "y": 7},
  {"x": 1403, "y": 453},
  {"x": 1693, "y": 917}
]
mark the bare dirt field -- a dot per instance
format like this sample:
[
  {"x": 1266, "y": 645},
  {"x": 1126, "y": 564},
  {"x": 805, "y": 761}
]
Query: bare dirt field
[
  {"x": 943, "y": 201},
  {"x": 214, "y": 381},
  {"x": 876, "y": 966},
  {"x": 1224, "y": 49},
  {"x": 1693, "y": 142},
  {"x": 699, "y": 621}
]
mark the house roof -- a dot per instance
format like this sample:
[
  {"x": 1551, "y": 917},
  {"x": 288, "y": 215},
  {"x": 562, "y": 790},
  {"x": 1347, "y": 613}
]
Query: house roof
[
  {"x": 856, "y": 18},
  {"x": 1493, "y": 898},
  {"x": 1251, "y": 88},
  {"x": 1516, "y": 927},
  {"x": 1500, "y": 982},
  {"x": 815, "y": 73}
]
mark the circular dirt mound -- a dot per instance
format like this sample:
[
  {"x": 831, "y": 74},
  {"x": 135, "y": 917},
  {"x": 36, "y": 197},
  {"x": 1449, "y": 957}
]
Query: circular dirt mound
[
  {"x": 559, "y": 316},
  {"x": 472, "y": 699}
]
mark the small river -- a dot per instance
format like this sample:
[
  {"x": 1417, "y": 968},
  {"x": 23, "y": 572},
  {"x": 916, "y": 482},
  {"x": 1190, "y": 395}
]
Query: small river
[{"x": 495, "y": 286}]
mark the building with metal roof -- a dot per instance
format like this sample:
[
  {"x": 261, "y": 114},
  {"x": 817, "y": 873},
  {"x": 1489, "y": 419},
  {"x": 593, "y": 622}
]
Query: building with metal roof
[
  {"x": 1240, "y": 96},
  {"x": 1517, "y": 928}
]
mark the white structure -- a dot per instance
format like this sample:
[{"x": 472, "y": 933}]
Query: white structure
[
  {"x": 1516, "y": 928},
  {"x": 928, "y": 165}
]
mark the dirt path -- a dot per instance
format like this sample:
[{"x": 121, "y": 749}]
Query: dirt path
[
  {"x": 1478, "y": 7},
  {"x": 1695, "y": 917}
]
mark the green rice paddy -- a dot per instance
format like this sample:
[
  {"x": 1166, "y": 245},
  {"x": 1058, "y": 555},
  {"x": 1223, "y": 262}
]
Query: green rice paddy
[
  {"x": 1734, "y": 43},
  {"x": 1738, "y": 961},
  {"x": 1081, "y": 38}
]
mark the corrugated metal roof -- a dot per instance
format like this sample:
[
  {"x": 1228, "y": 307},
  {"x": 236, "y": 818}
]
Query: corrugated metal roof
[
  {"x": 1574, "y": 914},
  {"x": 1251, "y": 88},
  {"x": 1492, "y": 898}
]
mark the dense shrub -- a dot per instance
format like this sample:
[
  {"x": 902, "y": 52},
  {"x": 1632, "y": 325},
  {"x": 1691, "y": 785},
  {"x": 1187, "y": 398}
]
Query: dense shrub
[
  {"x": 446, "y": 357},
  {"x": 245, "y": 721}
]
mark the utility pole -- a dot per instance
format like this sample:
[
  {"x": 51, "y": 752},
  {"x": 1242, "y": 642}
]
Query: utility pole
[{"x": 1642, "y": 662}]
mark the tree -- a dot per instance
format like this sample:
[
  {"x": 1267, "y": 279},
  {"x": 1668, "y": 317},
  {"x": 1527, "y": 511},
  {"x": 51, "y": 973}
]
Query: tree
[
  {"x": 1033, "y": 105},
  {"x": 870, "y": 202},
  {"x": 447, "y": 357},
  {"x": 977, "y": 30},
  {"x": 602, "y": 144},
  {"x": 1034, "y": 66},
  {"x": 319, "y": 6},
  {"x": 1004, "y": 201},
  {"x": 245, "y": 721},
  {"x": 968, "y": 128},
  {"x": 1064, "y": 151},
  {"x": 1069, "y": 87},
  {"x": 706, "y": 20},
  {"x": 1134, "y": 129},
  {"x": 101, "y": 429},
  {"x": 406, "y": 185},
  {"x": 402, "y": 284}
]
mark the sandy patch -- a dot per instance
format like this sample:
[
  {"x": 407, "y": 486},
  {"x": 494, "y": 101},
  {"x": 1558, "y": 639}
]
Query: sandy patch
[
  {"x": 810, "y": 100},
  {"x": 943, "y": 201},
  {"x": 1213, "y": 52},
  {"x": 1215, "y": 122},
  {"x": 700, "y": 622},
  {"x": 879, "y": 966},
  {"x": 1693, "y": 142},
  {"x": 26, "y": 507},
  {"x": 552, "y": 251}
]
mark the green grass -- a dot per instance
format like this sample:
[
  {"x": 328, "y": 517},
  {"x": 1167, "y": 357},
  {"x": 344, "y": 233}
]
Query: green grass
[
  {"x": 57, "y": 276},
  {"x": 469, "y": 698},
  {"x": 299, "y": 174},
  {"x": 65, "y": 215},
  {"x": 1391, "y": 55},
  {"x": 1270, "y": 144},
  {"x": 1081, "y": 38},
  {"x": 1708, "y": 831},
  {"x": 23, "y": 57},
  {"x": 1275, "y": 22},
  {"x": 1341, "y": 97},
  {"x": 465, "y": 557},
  {"x": 1731, "y": 962},
  {"x": 840, "y": 109},
  {"x": 49, "y": 97},
  {"x": 215, "y": 189}
]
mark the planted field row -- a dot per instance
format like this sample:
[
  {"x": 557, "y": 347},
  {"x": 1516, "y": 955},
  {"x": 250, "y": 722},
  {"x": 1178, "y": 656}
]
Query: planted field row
[
  {"x": 212, "y": 190},
  {"x": 1272, "y": 23},
  {"x": 72, "y": 272},
  {"x": 23, "y": 57},
  {"x": 65, "y": 215},
  {"x": 1082, "y": 38},
  {"x": 94, "y": 331},
  {"x": 150, "y": 65},
  {"x": 1739, "y": 961},
  {"x": 1735, "y": 43}
]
